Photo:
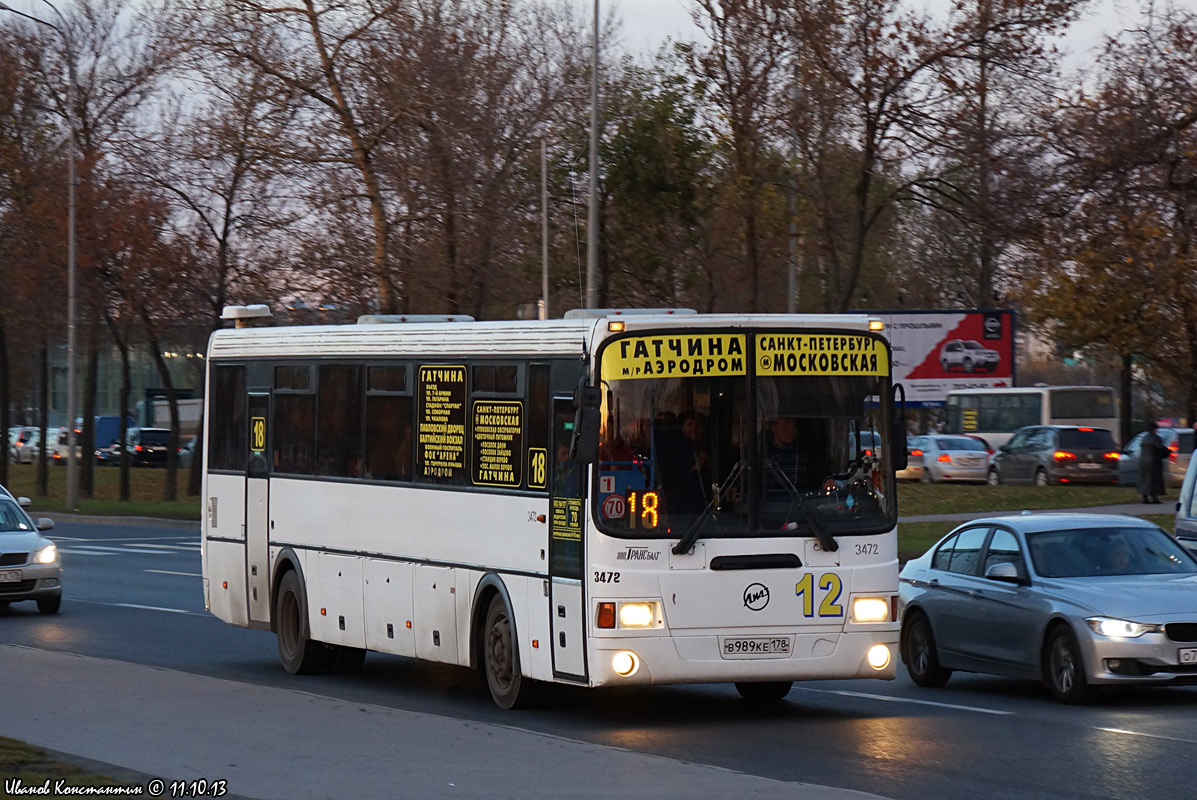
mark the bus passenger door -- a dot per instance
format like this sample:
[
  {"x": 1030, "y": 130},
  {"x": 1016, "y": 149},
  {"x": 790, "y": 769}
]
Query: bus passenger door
[
  {"x": 257, "y": 509},
  {"x": 567, "y": 597}
]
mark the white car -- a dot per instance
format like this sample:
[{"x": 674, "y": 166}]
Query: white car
[
  {"x": 968, "y": 356},
  {"x": 30, "y": 567},
  {"x": 944, "y": 457}
]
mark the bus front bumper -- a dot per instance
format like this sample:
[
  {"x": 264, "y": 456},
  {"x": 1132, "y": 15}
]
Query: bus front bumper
[{"x": 702, "y": 659}]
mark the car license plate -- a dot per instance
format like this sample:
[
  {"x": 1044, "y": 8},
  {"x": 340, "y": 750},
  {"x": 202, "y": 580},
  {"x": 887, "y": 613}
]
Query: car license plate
[
  {"x": 1089, "y": 466},
  {"x": 1187, "y": 655},
  {"x": 755, "y": 646},
  {"x": 10, "y": 576}
]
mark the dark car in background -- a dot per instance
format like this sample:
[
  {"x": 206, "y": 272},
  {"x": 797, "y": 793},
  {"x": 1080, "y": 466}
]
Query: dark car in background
[
  {"x": 1044, "y": 454},
  {"x": 147, "y": 447}
]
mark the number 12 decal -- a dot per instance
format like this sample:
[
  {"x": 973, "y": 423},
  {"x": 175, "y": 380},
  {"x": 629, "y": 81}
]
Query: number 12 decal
[{"x": 830, "y": 585}]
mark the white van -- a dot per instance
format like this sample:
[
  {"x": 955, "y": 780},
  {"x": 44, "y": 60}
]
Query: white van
[{"x": 57, "y": 446}]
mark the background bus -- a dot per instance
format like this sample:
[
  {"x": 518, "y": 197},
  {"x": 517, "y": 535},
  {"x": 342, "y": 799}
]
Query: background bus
[
  {"x": 994, "y": 414},
  {"x": 600, "y": 500}
]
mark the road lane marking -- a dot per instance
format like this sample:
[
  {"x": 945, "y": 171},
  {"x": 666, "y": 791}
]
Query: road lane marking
[
  {"x": 78, "y": 552},
  {"x": 1148, "y": 735},
  {"x": 144, "y": 608},
  {"x": 189, "y": 548},
  {"x": 909, "y": 700},
  {"x": 151, "y": 608},
  {"x": 169, "y": 572}
]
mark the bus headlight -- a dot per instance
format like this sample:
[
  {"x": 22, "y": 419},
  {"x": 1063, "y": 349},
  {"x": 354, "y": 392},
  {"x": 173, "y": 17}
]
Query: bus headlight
[
  {"x": 878, "y": 656},
  {"x": 637, "y": 615},
  {"x": 870, "y": 609},
  {"x": 625, "y": 663}
]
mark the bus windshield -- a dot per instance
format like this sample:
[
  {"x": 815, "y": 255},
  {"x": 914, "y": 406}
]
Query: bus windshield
[{"x": 747, "y": 454}]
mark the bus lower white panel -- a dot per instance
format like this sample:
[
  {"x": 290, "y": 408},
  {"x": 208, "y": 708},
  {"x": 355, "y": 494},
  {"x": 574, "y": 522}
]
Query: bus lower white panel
[
  {"x": 435, "y": 600},
  {"x": 224, "y": 506},
  {"x": 226, "y": 582},
  {"x": 569, "y": 655},
  {"x": 389, "y": 608},
  {"x": 335, "y": 599},
  {"x": 537, "y": 662}
]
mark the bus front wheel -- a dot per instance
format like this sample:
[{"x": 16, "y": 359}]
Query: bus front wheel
[
  {"x": 501, "y": 659},
  {"x": 299, "y": 654}
]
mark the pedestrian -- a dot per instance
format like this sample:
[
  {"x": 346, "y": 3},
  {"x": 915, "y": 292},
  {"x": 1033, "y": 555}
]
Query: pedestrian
[{"x": 1152, "y": 453}]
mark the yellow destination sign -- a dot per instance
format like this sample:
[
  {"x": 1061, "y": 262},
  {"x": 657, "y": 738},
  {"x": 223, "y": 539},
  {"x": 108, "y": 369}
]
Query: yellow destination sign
[
  {"x": 674, "y": 356},
  {"x": 820, "y": 354}
]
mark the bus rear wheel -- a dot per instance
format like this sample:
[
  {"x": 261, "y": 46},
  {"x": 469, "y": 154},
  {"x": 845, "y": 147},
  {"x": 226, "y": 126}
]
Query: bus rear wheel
[
  {"x": 764, "y": 691},
  {"x": 501, "y": 659},
  {"x": 298, "y": 653}
]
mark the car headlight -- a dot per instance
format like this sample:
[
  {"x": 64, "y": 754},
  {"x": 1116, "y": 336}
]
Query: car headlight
[
  {"x": 1120, "y": 628},
  {"x": 47, "y": 555}
]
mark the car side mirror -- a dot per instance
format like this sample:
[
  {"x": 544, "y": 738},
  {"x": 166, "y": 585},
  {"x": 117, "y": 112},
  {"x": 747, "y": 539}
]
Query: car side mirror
[
  {"x": 24, "y": 502},
  {"x": 1004, "y": 448},
  {"x": 1005, "y": 571},
  {"x": 45, "y": 524}
]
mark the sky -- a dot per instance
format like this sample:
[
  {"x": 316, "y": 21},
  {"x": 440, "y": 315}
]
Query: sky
[{"x": 646, "y": 23}]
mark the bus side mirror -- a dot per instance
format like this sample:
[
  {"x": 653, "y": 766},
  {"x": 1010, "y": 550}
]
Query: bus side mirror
[
  {"x": 583, "y": 447},
  {"x": 899, "y": 446}
]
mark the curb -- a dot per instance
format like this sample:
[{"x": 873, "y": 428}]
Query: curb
[{"x": 95, "y": 519}]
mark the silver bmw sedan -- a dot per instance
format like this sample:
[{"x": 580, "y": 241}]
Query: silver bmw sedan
[{"x": 1077, "y": 601}]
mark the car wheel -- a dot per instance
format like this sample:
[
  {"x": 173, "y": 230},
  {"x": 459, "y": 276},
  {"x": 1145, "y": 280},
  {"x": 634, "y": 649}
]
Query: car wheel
[
  {"x": 968, "y": 365},
  {"x": 944, "y": 364},
  {"x": 50, "y": 605},
  {"x": 927, "y": 477},
  {"x": 1065, "y": 668},
  {"x": 764, "y": 691},
  {"x": 1041, "y": 477},
  {"x": 501, "y": 659},
  {"x": 919, "y": 654},
  {"x": 993, "y": 478},
  {"x": 299, "y": 654}
]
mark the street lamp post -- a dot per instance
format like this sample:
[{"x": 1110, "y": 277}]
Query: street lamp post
[
  {"x": 72, "y": 488},
  {"x": 592, "y": 233}
]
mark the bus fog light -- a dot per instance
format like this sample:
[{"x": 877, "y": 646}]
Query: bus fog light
[
  {"x": 878, "y": 656},
  {"x": 636, "y": 615},
  {"x": 870, "y": 609},
  {"x": 625, "y": 663}
]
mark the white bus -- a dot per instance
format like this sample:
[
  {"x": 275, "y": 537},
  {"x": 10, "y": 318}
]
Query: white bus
[
  {"x": 994, "y": 414},
  {"x": 596, "y": 500}
]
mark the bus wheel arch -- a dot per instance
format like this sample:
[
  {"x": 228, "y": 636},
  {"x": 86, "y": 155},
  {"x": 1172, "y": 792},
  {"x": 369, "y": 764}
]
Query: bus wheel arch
[
  {"x": 298, "y": 652},
  {"x": 496, "y": 645}
]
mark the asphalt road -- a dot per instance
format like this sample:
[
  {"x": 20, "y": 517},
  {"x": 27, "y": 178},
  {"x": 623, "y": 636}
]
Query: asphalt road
[{"x": 133, "y": 595}]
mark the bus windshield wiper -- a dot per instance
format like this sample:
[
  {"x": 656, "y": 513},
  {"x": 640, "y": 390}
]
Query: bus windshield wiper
[
  {"x": 691, "y": 535},
  {"x": 826, "y": 540}
]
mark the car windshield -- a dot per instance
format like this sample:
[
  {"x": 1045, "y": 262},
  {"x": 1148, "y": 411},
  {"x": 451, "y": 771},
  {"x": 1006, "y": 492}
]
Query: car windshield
[
  {"x": 961, "y": 443},
  {"x": 1086, "y": 439},
  {"x": 974, "y": 346},
  {"x": 12, "y": 518},
  {"x": 725, "y": 451},
  {"x": 155, "y": 437},
  {"x": 1092, "y": 552}
]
